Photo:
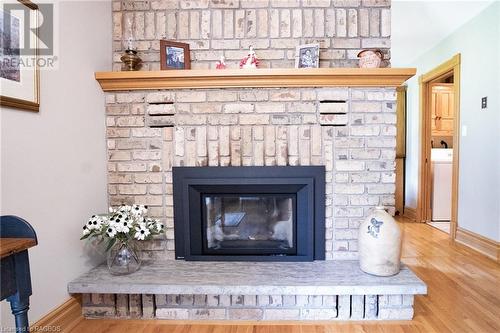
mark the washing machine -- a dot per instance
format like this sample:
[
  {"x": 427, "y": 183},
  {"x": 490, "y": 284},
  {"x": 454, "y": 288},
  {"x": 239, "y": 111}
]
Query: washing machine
[{"x": 441, "y": 172}]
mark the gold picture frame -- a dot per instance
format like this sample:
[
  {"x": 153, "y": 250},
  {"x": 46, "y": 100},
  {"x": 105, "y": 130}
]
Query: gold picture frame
[{"x": 27, "y": 79}]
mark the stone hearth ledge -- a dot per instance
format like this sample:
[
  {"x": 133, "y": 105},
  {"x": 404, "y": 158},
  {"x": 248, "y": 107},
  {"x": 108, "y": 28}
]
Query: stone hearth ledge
[{"x": 249, "y": 278}]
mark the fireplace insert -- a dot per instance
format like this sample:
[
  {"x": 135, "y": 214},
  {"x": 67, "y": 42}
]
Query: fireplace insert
[{"x": 249, "y": 213}]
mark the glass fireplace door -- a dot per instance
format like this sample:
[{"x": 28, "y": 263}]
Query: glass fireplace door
[{"x": 249, "y": 224}]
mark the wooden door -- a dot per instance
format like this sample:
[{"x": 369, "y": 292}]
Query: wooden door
[
  {"x": 400, "y": 149},
  {"x": 442, "y": 106}
]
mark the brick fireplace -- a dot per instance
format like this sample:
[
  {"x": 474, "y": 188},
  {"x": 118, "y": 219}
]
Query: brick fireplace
[{"x": 351, "y": 131}]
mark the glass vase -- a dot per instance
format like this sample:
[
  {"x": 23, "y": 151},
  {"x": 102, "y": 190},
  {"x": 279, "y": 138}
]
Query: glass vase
[{"x": 123, "y": 258}]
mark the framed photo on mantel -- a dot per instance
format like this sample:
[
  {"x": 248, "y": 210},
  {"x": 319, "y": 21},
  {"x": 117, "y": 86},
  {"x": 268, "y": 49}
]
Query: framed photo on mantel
[
  {"x": 174, "y": 55},
  {"x": 19, "y": 52},
  {"x": 307, "y": 56}
]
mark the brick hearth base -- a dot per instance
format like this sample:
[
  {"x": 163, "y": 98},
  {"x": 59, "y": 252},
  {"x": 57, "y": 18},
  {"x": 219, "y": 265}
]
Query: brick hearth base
[{"x": 249, "y": 307}]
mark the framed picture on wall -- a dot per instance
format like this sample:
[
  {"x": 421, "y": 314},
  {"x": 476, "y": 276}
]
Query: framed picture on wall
[
  {"x": 307, "y": 56},
  {"x": 174, "y": 55},
  {"x": 19, "y": 52}
]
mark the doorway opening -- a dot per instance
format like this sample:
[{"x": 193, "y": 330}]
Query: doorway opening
[{"x": 439, "y": 131}]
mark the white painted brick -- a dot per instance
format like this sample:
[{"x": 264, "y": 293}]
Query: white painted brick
[
  {"x": 245, "y": 314},
  {"x": 365, "y": 154},
  {"x": 408, "y": 300},
  {"x": 212, "y": 300},
  {"x": 254, "y": 119},
  {"x": 263, "y": 300},
  {"x": 217, "y": 24},
  {"x": 224, "y": 300},
  {"x": 333, "y": 119},
  {"x": 381, "y": 142},
  {"x": 191, "y": 96},
  {"x": 284, "y": 95},
  {"x": 207, "y": 314},
  {"x": 274, "y": 19},
  {"x": 270, "y": 107},
  {"x": 228, "y": 23},
  {"x": 366, "y": 107},
  {"x": 296, "y": 23},
  {"x": 395, "y": 313},
  {"x": 380, "y": 188},
  {"x": 183, "y": 25},
  {"x": 237, "y": 300},
  {"x": 332, "y": 107},
  {"x": 319, "y": 23},
  {"x": 371, "y": 307},
  {"x": 344, "y": 307},
  {"x": 172, "y": 313},
  {"x": 193, "y": 4},
  {"x": 262, "y": 23},
  {"x": 200, "y": 300},
  {"x": 316, "y": 3},
  {"x": 334, "y": 94},
  {"x": 285, "y": 23},
  {"x": 363, "y": 200},
  {"x": 318, "y": 314},
  {"x": 253, "y": 95},
  {"x": 352, "y": 23},
  {"x": 341, "y": 22},
  {"x": 308, "y": 28},
  {"x": 281, "y": 314},
  {"x": 369, "y": 130},
  {"x": 349, "y": 165},
  {"x": 275, "y": 300},
  {"x": 316, "y": 300},
  {"x": 239, "y": 23},
  {"x": 238, "y": 108},
  {"x": 357, "y": 307},
  {"x": 330, "y": 22},
  {"x": 250, "y": 300},
  {"x": 349, "y": 189},
  {"x": 348, "y": 212}
]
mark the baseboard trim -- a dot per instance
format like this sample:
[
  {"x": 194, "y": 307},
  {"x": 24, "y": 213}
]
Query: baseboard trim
[
  {"x": 486, "y": 246},
  {"x": 410, "y": 213},
  {"x": 65, "y": 317}
]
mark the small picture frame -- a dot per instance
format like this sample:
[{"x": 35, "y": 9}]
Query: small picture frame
[
  {"x": 307, "y": 56},
  {"x": 174, "y": 55}
]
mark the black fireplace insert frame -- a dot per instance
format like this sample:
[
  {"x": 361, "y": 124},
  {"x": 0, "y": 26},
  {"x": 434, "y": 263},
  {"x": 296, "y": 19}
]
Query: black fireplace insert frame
[{"x": 190, "y": 184}]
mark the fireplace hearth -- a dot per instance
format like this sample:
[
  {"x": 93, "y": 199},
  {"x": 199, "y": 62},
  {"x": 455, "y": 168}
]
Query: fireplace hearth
[{"x": 249, "y": 213}]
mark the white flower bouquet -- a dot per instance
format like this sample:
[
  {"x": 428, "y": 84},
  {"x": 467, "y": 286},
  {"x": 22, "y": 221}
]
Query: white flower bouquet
[{"x": 122, "y": 224}]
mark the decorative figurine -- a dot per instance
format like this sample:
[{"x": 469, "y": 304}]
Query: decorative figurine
[
  {"x": 370, "y": 58},
  {"x": 130, "y": 58},
  {"x": 221, "y": 64},
  {"x": 250, "y": 61}
]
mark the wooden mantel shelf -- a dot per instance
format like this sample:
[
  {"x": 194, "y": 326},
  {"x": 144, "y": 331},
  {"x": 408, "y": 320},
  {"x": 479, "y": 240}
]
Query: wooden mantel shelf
[{"x": 258, "y": 78}]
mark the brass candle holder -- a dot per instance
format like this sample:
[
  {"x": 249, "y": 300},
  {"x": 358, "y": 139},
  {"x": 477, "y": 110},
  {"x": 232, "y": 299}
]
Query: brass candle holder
[{"x": 131, "y": 60}]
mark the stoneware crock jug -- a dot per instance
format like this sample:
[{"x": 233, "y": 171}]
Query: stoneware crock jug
[{"x": 379, "y": 244}]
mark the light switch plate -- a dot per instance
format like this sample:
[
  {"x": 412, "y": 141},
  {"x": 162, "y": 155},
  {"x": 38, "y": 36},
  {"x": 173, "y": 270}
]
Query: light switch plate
[{"x": 484, "y": 102}]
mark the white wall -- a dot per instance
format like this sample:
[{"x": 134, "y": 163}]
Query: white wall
[
  {"x": 53, "y": 163},
  {"x": 478, "y": 41}
]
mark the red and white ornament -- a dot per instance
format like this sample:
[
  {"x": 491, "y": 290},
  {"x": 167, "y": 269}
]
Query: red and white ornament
[
  {"x": 250, "y": 61},
  {"x": 221, "y": 64}
]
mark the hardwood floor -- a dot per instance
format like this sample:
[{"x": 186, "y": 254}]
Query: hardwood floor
[{"x": 464, "y": 296}]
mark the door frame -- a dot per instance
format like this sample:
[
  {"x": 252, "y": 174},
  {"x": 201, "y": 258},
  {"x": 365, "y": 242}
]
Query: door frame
[{"x": 424, "y": 191}]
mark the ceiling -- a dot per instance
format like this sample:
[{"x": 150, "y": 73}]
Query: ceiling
[{"x": 419, "y": 25}]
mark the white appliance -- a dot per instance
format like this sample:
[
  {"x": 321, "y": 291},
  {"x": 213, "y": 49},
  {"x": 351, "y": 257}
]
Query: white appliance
[{"x": 441, "y": 171}]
